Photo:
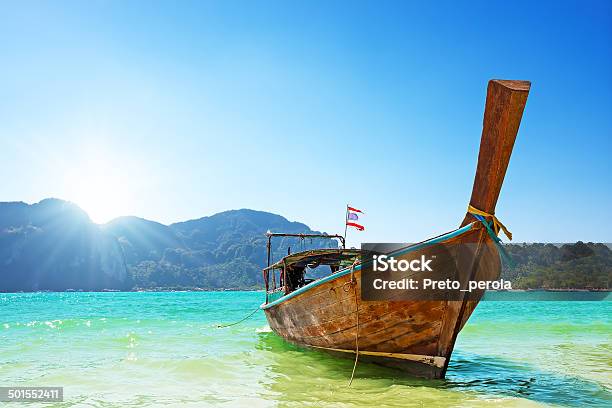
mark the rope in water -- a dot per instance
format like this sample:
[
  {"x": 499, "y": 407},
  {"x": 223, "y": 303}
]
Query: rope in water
[
  {"x": 353, "y": 283},
  {"x": 221, "y": 326}
]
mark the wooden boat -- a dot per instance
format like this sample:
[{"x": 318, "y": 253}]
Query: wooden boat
[{"x": 417, "y": 335}]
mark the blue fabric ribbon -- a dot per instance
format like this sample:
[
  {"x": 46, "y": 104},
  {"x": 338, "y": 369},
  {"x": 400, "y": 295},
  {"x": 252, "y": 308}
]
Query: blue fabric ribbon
[{"x": 505, "y": 256}]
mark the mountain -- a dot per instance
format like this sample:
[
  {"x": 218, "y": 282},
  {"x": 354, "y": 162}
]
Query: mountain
[
  {"x": 225, "y": 250},
  {"x": 53, "y": 245},
  {"x": 142, "y": 239}
]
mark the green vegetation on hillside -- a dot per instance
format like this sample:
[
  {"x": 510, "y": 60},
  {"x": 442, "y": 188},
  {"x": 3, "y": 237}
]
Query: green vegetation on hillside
[
  {"x": 226, "y": 250},
  {"x": 547, "y": 266}
]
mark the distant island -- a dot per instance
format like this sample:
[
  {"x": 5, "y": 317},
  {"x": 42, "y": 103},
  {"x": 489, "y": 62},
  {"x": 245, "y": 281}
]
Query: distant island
[{"x": 53, "y": 245}]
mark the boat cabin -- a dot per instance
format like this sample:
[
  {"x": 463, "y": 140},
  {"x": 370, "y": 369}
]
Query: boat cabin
[{"x": 292, "y": 272}]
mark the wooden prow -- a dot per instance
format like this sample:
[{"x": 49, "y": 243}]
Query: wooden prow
[{"x": 503, "y": 112}]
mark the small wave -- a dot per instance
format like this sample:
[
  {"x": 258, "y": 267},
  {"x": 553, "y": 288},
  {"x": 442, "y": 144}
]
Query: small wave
[{"x": 265, "y": 329}]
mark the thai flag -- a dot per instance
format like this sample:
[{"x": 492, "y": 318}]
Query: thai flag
[{"x": 351, "y": 215}]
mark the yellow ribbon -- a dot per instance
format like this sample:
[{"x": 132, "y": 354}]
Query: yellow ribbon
[{"x": 497, "y": 224}]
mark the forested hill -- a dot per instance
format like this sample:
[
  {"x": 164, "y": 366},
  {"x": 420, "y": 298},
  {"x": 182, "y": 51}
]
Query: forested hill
[
  {"x": 225, "y": 250},
  {"x": 569, "y": 266},
  {"x": 53, "y": 245}
]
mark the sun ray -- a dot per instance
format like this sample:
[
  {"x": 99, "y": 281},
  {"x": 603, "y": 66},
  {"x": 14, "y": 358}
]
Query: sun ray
[{"x": 100, "y": 188}]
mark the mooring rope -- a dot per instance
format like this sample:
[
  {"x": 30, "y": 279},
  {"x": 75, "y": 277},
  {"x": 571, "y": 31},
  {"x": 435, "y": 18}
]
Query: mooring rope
[
  {"x": 221, "y": 326},
  {"x": 353, "y": 283}
]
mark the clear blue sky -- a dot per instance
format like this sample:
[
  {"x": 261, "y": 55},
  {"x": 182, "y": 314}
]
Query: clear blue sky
[{"x": 176, "y": 110}]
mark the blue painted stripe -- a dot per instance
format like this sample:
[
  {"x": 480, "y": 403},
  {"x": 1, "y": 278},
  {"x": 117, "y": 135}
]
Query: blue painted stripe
[{"x": 346, "y": 271}]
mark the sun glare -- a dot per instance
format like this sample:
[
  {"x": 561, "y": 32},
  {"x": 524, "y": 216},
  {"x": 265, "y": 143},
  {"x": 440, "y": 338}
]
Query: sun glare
[{"x": 100, "y": 189}]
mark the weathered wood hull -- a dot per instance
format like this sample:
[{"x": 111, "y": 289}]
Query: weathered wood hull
[{"x": 414, "y": 335}]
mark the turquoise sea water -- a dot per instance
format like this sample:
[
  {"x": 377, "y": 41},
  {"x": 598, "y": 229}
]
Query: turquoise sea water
[{"x": 163, "y": 349}]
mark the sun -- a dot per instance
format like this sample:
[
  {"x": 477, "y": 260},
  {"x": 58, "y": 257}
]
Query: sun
[{"x": 100, "y": 189}]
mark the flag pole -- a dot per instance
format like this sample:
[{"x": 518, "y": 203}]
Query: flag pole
[{"x": 345, "y": 225}]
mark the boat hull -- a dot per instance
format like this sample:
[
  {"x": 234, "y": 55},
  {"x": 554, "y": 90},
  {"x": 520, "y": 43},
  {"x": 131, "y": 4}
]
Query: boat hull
[{"x": 416, "y": 336}]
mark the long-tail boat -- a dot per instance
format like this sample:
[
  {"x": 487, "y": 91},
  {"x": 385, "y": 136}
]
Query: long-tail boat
[{"x": 417, "y": 335}]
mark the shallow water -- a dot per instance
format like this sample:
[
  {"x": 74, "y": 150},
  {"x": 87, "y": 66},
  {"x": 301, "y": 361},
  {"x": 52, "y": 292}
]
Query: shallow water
[{"x": 163, "y": 349}]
